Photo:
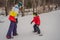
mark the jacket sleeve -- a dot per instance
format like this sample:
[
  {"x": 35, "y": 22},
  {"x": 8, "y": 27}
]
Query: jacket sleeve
[
  {"x": 11, "y": 18},
  {"x": 33, "y": 20}
]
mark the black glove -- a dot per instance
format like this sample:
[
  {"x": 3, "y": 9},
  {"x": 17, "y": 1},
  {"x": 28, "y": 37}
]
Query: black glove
[
  {"x": 16, "y": 20},
  {"x": 31, "y": 22}
]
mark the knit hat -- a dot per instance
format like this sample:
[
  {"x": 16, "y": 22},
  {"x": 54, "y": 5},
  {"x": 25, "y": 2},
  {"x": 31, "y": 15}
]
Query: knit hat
[
  {"x": 19, "y": 4},
  {"x": 35, "y": 14}
]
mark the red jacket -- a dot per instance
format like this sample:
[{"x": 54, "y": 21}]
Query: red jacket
[
  {"x": 11, "y": 18},
  {"x": 36, "y": 20}
]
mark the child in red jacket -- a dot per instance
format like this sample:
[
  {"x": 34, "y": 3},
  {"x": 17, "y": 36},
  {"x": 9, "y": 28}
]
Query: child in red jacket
[{"x": 36, "y": 20}]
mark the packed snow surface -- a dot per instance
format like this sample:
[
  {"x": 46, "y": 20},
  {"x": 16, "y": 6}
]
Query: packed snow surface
[{"x": 50, "y": 27}]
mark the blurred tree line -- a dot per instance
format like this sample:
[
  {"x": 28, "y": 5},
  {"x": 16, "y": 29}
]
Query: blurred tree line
[{"x": 27, "y": 3}]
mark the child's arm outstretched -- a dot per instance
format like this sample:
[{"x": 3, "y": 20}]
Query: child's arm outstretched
[{"x": 32, "y": 20}]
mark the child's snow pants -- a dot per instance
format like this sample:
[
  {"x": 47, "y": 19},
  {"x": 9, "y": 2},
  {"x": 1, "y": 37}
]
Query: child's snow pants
[{"x": 36, "y": 28}]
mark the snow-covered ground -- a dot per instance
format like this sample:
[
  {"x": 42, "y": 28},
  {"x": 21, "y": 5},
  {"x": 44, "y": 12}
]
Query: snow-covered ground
[{"x": 50, "y": 27}]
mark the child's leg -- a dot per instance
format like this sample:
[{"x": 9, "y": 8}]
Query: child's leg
[
  {"x": 10, "y": 29},
  {"x": 35, "y": 30},
  {"x": 38, "y": 30}
]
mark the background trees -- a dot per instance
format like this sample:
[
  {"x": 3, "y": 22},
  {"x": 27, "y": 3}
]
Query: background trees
[{"x": 27, "y": 4}]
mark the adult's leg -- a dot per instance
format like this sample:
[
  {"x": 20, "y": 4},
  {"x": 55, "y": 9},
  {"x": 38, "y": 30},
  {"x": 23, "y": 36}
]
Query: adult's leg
[
  {"x": 10, "y": 29},
  {"x": 15, "y": 28}
]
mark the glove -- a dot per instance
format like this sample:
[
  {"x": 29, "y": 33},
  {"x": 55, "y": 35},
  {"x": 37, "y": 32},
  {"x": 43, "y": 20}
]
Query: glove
[
  {"x": 31, "y": 22},
  {"x": 16, "y": 20}
]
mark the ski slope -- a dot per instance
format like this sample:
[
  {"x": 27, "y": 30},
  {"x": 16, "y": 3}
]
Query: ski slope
[{"x": 50, "y": 27}]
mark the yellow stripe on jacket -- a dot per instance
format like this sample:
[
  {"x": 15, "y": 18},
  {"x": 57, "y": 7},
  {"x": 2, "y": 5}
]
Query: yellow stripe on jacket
[{"x": 13, "y": 13}]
